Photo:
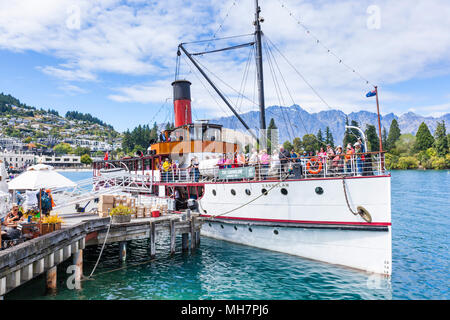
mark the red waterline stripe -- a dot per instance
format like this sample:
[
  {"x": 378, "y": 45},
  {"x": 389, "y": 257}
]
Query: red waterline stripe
[{"x": 302, "y": 221}]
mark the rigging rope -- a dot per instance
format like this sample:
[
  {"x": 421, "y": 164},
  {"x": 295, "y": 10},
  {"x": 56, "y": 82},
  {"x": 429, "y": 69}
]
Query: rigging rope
[{"x": 325, "y": 47}]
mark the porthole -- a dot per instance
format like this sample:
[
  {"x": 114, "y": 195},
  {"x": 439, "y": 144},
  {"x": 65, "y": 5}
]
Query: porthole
[
  {"x": 214, "y": 192},
  {"x": 221, "y": 226},
  {"x": 264, "y": 192},
  {"x": 275, "y": 231},
  {"x": 233, "y": 192},
  {"x": 248, "y": 192},
  {"x": 319, "y": 190},
  {"x": 235, "y": 228},
  {"x": 284, "y": 191},
  {"x": 250, "y": 229},
  {"x": 210, "y": 224}
]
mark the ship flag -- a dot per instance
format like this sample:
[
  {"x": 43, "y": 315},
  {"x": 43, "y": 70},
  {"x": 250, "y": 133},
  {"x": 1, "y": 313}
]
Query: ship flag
[{"x": 371, "y": 94}]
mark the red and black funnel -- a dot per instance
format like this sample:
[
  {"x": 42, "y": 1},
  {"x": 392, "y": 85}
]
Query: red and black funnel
[{"x": 182, "y": 102}]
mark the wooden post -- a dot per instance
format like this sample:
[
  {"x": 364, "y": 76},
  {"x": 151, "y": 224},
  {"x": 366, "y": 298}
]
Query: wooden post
[
  {"x": 123, "y": 251},
  {"x": 192, "y": 224},
  {"x": 50, "y": 283},
  {"x": 184, "y": 237},
  {"x": 152, "y": 240},
  {"x": 197, "y": 238},
  {"x": 77, "y": 258},
  {"x": 172, "y": 236}
]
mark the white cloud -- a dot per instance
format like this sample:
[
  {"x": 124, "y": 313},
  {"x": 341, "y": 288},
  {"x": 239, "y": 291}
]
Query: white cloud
[{"x": 138, "y": 38}]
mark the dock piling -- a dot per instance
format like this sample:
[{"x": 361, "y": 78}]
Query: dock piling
[
  {"x": 77, "y": 259},
  {"x": 26, "y": 273},
  {"x": 152, "y": 240},
  {"x": 185, "y": 236},
  {"x": 50, "y": 283},
  {"x": 172, "y": 236},
  {"x": 193, "y": 242},
  {"x": 123, "y": 251}
]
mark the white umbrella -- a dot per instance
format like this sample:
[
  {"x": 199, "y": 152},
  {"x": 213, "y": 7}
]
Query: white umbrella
[{"x": 40, "y": 176}]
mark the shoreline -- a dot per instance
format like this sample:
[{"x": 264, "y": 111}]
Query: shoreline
[{"x": 74, "y": 170}]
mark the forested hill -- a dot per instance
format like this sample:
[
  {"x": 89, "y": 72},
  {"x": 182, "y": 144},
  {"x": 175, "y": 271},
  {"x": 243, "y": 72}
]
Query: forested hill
[{"x": 11, "y": 106}]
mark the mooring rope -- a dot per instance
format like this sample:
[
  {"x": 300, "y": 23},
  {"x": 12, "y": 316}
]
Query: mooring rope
[
  {"x": 346, "y": 198},
  {"x": 101, "y": 251}
]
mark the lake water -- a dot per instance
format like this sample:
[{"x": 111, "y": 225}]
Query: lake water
[{"x": 222, "y": 270}]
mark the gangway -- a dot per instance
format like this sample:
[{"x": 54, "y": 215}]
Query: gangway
[{"x": 92, "y": 188}]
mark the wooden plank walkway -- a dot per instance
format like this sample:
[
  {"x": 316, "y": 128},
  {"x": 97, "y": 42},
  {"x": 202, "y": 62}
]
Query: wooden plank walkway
[{"x": 32, "y": 258}]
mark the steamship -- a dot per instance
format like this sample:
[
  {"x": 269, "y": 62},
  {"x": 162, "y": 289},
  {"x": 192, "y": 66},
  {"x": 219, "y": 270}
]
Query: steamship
[{"x": 309, "y": 208}]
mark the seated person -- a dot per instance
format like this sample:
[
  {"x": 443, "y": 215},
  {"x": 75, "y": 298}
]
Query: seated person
[{"x": 11, "y": 221}]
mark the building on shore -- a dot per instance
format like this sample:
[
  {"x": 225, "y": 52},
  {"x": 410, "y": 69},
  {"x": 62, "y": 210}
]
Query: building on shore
[
  {"x": 63, "y": 161},
  {"x": 17, "y": 161}
]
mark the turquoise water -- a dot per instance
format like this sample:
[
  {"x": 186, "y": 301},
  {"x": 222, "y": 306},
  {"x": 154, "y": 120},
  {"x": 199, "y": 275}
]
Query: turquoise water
[{"x": 221, "y": 270}]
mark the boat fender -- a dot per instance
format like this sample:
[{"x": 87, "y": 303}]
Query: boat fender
[
  {"x": 314, "y": 162},
  {"x": 364, "y": 214}
]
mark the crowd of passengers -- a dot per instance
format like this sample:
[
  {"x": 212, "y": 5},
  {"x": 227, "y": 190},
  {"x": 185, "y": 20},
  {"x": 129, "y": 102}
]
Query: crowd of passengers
[{"x": 337, "y": 161}]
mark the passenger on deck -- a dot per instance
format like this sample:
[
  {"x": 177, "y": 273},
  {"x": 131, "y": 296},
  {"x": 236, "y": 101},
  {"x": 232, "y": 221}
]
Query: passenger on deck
[
  {"x": 253, "y": 160},
  {"x": 228, "y": 161},
  {"x": 294, "y": 156},
  {"x": 196, "y": 169},
  {"x": 359, "y": 158},
  {"x": 338, "y": 162},
  {"x": 275, "y": 164},
  {"x": 240, "y": 159},
  {"x": 283, "y": 156},
  {"x": 166, "y": 168},
  {"x": 348, "y": 158},
  {"x": 330, "y": 155},
  {"x": 264, "y": 160},
  {"x": 322, "y": 155},
  {"x": 162, "y": 137},
  {"x": 221, "y": 161}
]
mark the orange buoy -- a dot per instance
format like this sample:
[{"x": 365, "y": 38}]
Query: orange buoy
[{"x": 314, "y": 162}]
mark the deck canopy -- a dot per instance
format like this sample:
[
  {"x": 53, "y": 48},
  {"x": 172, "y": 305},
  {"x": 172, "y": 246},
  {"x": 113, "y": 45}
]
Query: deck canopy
[{"x": 40, "y": 176}]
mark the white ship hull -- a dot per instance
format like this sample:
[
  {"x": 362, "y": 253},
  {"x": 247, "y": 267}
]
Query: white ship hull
[{"x": 304, "y": 223}]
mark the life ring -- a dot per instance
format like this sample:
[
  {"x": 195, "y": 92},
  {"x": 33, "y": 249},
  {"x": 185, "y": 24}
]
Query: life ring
[{"x": 313, "y": 162}]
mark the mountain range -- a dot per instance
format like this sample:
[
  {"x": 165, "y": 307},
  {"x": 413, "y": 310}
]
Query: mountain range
[{"x": 294, "y": 121}]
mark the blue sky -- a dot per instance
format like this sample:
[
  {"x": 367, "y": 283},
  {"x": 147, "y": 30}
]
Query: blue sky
[{"x": 116, "y": 59}]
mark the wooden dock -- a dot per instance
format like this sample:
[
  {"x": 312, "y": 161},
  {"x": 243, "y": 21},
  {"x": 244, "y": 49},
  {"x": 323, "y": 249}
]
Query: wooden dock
[{"x": 32, "y": 258}]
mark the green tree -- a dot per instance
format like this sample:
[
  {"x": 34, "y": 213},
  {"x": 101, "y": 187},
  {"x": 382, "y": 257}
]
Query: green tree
[
  {"x": 62, "y": 148},
  {"x": 373, "y": 143},
  {"x": 272, "y": 126},
  {"x": 320, "y": 138},
  {"x": 424, "y": 139},
  {"x": 287, "y": 145},
  {"x": 27, "y": 140},
  {"x": 393, "y": 136},
  {"x": 86, "y": 159},
  {"x": 351, "y": 135},
  {"x": 441, "y": 141},
  {"x": 329, "y": 137},
  {"x": 384, "y": 138},
  {"x": 79, "y": 151},
  {"x": 405, "y": 145},
  {"x": 297, "y": 143},
  {"x": 309, "y": 143}
]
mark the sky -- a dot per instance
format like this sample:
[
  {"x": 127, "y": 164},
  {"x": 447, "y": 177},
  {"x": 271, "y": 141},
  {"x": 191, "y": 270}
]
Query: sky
[{"x": 117, "y": 59}]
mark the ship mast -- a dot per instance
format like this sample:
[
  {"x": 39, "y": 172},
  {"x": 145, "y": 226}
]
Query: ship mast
[{"x": 259, "y": 68}]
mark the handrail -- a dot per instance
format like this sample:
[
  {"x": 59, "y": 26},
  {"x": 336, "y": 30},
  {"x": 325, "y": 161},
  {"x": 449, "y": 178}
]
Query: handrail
[{"x": 359, "y": 164}]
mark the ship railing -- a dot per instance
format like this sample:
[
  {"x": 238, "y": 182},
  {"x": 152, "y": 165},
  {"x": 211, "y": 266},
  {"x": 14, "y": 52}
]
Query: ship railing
[{"x": 361, "y": 164}]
